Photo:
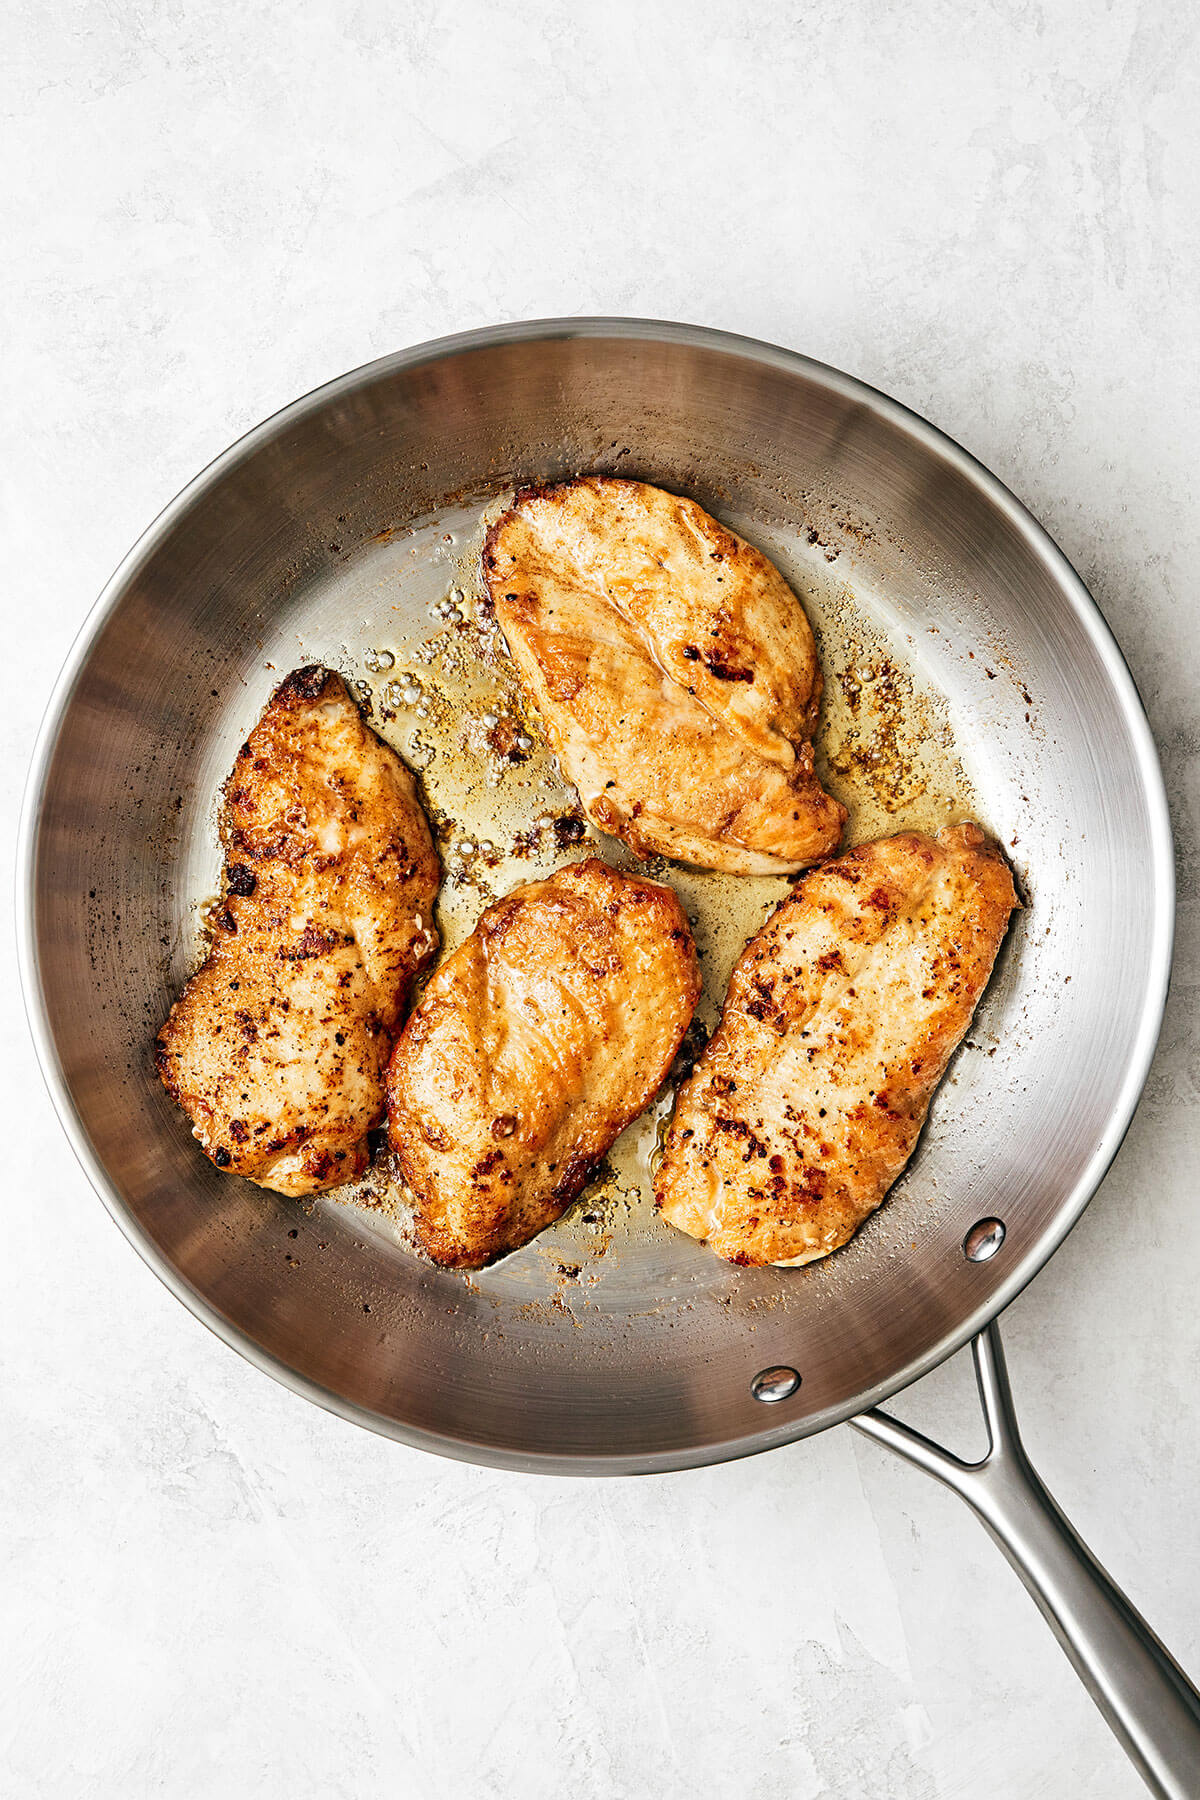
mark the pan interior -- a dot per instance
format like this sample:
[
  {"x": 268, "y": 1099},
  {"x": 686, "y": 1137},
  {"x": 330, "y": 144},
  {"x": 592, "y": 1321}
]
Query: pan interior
[{"x": 954, "y": 641}]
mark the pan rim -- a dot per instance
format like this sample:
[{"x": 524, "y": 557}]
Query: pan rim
[{"x": 1040, "y": 543}]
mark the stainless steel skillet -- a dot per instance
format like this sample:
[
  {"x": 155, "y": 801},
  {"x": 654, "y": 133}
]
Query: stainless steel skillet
[{"x": 334, "y": 527}]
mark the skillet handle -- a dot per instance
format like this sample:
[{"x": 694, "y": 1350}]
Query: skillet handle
[{"x": 1138, "y": 1686}]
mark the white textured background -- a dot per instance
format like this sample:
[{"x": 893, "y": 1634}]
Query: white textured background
[{"x": 993, "y": 212}]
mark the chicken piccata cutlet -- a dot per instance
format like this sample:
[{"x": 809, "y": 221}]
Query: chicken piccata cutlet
[
  {"x": 675, "y": 671},
  {"x": 839, "y": 1021},
  {"x": 278, "y": 1046},
  {"x": 531, "y": 1049}
]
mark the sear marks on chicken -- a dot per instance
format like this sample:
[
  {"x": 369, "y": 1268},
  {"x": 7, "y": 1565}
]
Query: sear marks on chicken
[
  {"x": 839, "y": 1021},
  {"x": 277, "y": 1048},
  {"x": 532, "y": 1048},
  {"x": 675, "y": 671}
]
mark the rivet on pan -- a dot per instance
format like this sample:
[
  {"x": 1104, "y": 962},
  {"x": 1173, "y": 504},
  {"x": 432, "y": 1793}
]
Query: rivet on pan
[
  {"x": 775, "y": 1384},
  {"x": 983, "y": 1240}
]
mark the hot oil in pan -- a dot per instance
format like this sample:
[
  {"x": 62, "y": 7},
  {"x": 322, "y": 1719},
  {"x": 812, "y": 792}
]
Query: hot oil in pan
[{"x": 446, "y": 696}]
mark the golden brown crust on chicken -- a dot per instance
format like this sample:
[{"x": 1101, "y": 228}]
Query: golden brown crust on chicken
[
  {"x": 277, "y": 1047},
  {"x": 674, "y": 668},
  {"x": 532, "y": 1048},
  {"x": 840, "y": 1019}
]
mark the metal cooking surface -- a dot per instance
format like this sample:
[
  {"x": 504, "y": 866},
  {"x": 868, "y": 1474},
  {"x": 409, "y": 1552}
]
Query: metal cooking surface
[{"x": 953, "y": 638}]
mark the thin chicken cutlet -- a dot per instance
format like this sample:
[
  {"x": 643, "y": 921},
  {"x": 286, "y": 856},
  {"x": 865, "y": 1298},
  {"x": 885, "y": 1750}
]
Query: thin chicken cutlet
[
  {"x": 840, "y": 1019},
  {"x": 533, "y": 1046},
  {"x": 675, "y": 671},
  {"x": 277, "y": 1047}
]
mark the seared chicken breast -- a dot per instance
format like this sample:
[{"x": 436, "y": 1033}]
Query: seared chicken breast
[
  {"x": 838, "y": 1024},
  {"x": 675, "y": 671},
  {"x": 532, "y": 1048},
  {"x": 277, "y": 1048}
]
